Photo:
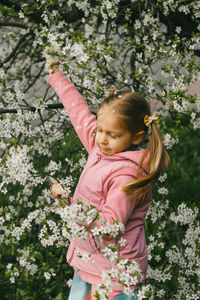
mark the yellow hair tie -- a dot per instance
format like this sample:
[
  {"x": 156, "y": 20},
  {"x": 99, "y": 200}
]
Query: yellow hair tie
[
  {"x": 114, "y": 91},
  {"x": 151, "y": 119}
]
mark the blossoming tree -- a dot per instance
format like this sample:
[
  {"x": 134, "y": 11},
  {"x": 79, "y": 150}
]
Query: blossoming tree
[{"x": 148, "y": 46}]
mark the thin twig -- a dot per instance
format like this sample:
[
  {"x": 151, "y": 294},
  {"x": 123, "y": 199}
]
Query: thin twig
[
  {"x": 30, "y": 108},
  {"x": 20, "y": 42}
]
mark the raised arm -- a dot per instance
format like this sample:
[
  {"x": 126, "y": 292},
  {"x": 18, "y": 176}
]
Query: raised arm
[{"x": 82, "y": 119}]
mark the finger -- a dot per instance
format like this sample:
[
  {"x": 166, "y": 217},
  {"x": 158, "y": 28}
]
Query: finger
[
  {"x": 58, "y": 189},
  {"x": 55, "y": 191},
  {"x": 63, "y": 204}
]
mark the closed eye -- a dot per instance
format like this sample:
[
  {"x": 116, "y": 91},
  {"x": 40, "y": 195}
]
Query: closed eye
[{"x": 114, "y": 136}]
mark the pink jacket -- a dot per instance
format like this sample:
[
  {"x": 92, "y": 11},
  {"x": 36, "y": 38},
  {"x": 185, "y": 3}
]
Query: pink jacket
[{"x": 100, "y": 185}]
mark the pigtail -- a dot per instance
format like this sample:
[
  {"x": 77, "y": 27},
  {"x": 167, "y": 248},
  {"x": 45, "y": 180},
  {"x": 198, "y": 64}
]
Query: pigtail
[{"x": 158, "y": 160}]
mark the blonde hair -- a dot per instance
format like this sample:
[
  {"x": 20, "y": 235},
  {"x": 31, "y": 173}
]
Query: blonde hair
[{"x": 133, "y": 108}]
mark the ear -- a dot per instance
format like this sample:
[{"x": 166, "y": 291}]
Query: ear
[{"x": 138, "y": 137}]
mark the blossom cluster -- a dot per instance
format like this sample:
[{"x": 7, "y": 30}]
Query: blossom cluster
[{"x": 77, "y": 220}]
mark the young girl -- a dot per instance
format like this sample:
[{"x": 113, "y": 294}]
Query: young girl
[{"x": 121, "y": 168}]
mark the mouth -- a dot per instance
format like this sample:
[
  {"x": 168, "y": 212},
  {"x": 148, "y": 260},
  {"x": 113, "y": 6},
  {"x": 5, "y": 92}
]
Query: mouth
[{"x": 104, "y": 148}]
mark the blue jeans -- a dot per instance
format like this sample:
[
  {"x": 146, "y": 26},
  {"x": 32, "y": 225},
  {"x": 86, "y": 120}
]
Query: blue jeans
[{"x": 80, "y": 289}]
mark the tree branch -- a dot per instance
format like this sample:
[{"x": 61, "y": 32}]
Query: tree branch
[
  {"x": 34, "y": 16},
  {"x": 30, "y": 108},
  {"x": 35, "y": 79},
  {"x": 12, "y": 24},
  {"x": 15, "y": 49}
]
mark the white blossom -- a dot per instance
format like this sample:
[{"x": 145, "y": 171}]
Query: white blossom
[
  {"x": 169, "y": 141},
  {"x": 163, "y": 177},
  {"x": 163, "y": 191},
  {"x": 185, "y": 215}
]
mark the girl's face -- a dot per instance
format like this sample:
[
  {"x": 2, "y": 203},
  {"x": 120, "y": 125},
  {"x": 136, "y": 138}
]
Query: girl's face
[{"x": 112, "y": 136}]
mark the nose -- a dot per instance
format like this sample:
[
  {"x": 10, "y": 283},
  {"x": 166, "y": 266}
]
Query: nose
[{"x": 103, "y": 139}]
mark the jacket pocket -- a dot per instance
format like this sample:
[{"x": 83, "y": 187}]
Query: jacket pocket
[{"x": 136, "y": 244}]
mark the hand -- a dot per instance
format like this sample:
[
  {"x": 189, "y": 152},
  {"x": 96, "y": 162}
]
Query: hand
[
  {"x": 53, "y": 66},
  {"x": 56, "y": 190}
]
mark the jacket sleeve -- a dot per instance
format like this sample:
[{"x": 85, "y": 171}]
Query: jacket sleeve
[{"x": 83, "y": 121}]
